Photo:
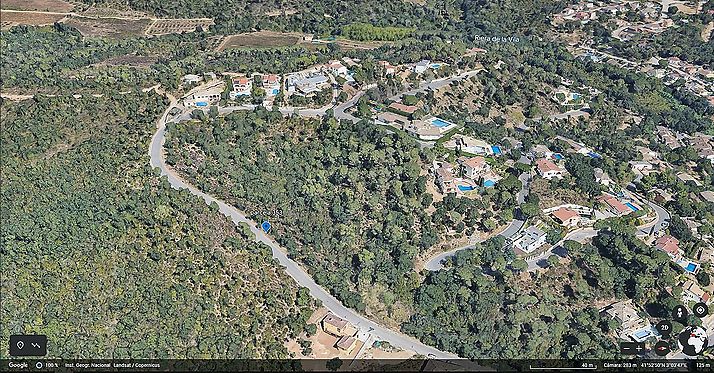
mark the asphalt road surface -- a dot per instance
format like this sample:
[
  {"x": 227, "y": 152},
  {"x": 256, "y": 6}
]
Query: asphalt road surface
[{"x": 300, "y": 276}]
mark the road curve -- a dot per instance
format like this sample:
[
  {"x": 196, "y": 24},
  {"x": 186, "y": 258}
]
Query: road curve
[
  {"x": 300, "y": 276},
  {"x": 435, "y": 263}
]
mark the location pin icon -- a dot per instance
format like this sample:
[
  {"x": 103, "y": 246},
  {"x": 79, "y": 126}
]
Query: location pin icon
[{"x": 20, "y": 345}]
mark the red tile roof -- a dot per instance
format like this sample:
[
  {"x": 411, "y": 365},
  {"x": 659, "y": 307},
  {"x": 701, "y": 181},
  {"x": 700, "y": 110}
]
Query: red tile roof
[
  {"x": 668, "y": 244},
  {"x": 545, "y": 165},
  {"x": 475, "y": 162},
  {"x": 409, "y": 109},
  {"x": 564, "y": 214},
  {"x": 614, "y": 203}
]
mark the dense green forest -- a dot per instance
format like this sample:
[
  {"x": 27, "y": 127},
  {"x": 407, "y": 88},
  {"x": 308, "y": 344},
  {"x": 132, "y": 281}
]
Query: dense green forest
[
  {"x": 362, "y": 187},
  {"x": 103, "y": 257}
]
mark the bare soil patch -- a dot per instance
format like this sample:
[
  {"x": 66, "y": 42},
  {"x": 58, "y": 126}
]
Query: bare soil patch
[
  {"x": 10, "y": 18},
  {"x": 59, "y": 6},
  {"x": 108, "y": 27},
  {"x": 363, "y": 45}
]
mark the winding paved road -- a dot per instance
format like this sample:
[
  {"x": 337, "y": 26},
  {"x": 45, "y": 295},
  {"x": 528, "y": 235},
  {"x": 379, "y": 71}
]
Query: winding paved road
[{"x": 300, "y": 276}]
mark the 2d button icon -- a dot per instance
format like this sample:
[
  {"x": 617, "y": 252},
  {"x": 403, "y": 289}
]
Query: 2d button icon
[
  {"x": 700, "y": 310},
  {"x": 664, "y": 328},
  {"x": 680, "y": 314}
]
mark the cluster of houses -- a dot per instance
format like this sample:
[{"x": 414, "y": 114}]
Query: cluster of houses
[
  {"x": 410, "y": 118},
  {"x": 697, "y": 79},
  {"x": 242, "y": 85},
  {"x": 468, "y": 174},
  {"x": 585, "y": 12}
]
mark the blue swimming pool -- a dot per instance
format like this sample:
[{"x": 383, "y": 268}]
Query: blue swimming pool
[
  {"x": 631, "y": 206},
  {"x": 691, "y": 267},
  {"x": 435, "y": 65},
  {"x": 557, "y": 156},
  {"x": 489, "y": 183},
  {"x": 496, "y": 149},
  {"x": 275, "y": 91},
  {"x": 202, "y": 103},
  {"x": 465, "y": 188},
  {"x": 440, "y": 123},
  {"x": 594, "y": 155},
  {"x": 576, "y": 96}
]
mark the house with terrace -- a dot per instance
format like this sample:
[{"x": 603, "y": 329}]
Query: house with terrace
[{"x": 549, "y": 170}]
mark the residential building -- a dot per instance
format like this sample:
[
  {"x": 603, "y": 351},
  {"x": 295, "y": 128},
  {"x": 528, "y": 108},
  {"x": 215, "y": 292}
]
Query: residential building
[
  {"x": 688, "y": 179},
  {"x": 530, "y": 240},
  {"x": 669, "y": 245},
  {"x": 271, "y": 81},
  {"x": 691, "y": 292},
  {"x": 422, "y": 66},
  {"x": 445, "y": 179},
  {"x": 662, "y": 196},
  {"x": 602, "y": 177},
  {"x": 549, "y": 170},
  {"x": 707, "y": 195},
  {"x": 469, "y": 145},
  {"x": 204, "y": 96},
  {"x": 613, "y": 205},
  {"x": 347, "y": 344},
  {"x": 402, "y": 109},
  {"x": 392, "y": 119},
  {"x": 337, "y": 68},
  {"x": 191, "y": 78},
  {"x": 630, "y": 324},
  {"x": 337, "y": 326},
  {"x": 389, "y": 69},
  {"x": 641, "y": 166},
  {"x": 475, "y": 167},
  {"x": 306, "y": 83},
  {"x": 566, "y": 217},
  {"x": 242, "y": 86},
  {"x": 668, "y": 137}
]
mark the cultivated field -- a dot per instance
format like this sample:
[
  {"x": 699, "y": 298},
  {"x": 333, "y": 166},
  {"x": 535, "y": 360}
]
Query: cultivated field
[
  {"x": 58, "y": 6},
  {"x": 261, "y": 39},
  {"x": 10, "y": 18},
  {"x": 177, "y": 26},
  {"x": 108, "y": 27}
]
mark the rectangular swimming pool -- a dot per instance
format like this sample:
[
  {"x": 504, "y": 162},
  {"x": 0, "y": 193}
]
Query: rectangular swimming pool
[
  {"x": 631, "y": 206},
  {"x": 691, "y": 267},
  {"x": 440, "y": 123},
  {"x": 496, "y": 149},
  {"x": 465, "y": 188}
]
